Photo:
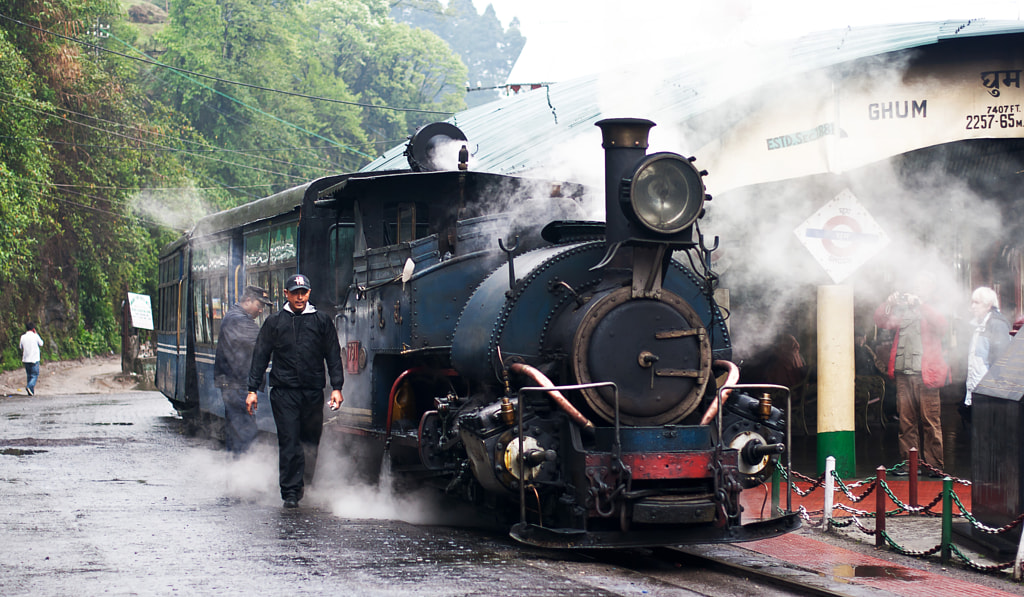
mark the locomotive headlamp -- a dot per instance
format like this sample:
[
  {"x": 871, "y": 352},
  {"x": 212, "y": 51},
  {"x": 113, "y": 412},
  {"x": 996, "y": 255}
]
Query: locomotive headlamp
[{"x": 665, "y": 193}]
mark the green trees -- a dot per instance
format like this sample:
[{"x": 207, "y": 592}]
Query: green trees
[
  {"x": 383, "y": 79},
  {"x": 488, "y": 51},
  {"x": 69, "y": 166},
  {"x": 108, "y": 153}
]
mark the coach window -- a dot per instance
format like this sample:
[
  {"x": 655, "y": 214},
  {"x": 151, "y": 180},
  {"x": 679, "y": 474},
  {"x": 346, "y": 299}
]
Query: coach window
[
  {"x": 210, "y": 270},
  {"x": 342, "y": 245},
  {"x": 270, "y": 260},
  {"x": 167, "y": 293}
]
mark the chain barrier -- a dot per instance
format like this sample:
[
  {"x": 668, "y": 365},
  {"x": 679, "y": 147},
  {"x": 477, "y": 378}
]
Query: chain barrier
[
  {"x": 909, "y": 552},
  {"x": 901, "y": 507},
  {"x": 941, "y": 474},
  {"x": 802, "y": 477},
  {"x": 981, "y": 527},
  {"x": 814, "y": 483},
  {"x": 860, "y": 526},
  {"x": 849, "y": 494},
  {"x": 971, "y": 563}
]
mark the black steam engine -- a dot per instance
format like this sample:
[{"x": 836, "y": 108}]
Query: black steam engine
[
  {"x": 564, "y": 372},
  {"x": 571, "y": 375}
]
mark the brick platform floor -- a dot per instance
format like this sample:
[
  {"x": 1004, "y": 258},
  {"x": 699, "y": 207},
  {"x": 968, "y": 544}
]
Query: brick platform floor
[{"x": 856, "y": 568}]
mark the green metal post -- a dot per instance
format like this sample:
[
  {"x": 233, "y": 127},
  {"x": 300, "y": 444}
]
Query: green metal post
[
  {"x": 776, "y": 479},
  {"x": 947, "y": 519}
]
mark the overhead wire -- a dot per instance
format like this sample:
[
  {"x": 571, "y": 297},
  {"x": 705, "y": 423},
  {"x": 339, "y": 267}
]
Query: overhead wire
[
  {"x": 140, "y": 219},
  {"x": 253, "y": 108},
  {"x": 153, "y": 143},
  {"x": 157, "y": 133},
  {"x": 156, "y": 76},
  {"x": 221, "y": 80},
  {"x": 249, "y": 151}
]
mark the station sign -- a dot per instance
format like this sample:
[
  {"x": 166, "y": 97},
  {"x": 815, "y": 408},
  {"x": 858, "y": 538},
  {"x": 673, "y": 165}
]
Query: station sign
[
  {"x": 836, "y": 120},
  {"x": 842, "y": 236},
  {"x": 141, "y": 310}
]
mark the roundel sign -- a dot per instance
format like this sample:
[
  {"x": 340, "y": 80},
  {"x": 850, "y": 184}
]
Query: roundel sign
[{"x": 841, "y": 236}]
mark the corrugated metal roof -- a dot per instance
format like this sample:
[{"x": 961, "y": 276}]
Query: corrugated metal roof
[{"x": 517, "y": 134}]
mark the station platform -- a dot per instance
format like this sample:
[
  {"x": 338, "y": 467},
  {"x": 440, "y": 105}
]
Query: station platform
[
  {"x": 848, "y": 554},
  {"x": 858, "y": 568}
]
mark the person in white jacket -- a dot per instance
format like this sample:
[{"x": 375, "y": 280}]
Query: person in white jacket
[{"x": 30, "y": 344}]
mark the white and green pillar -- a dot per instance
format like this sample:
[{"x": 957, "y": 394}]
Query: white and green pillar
[{"x": 836, "y": 421}]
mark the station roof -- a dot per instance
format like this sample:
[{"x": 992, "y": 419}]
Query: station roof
[{"x": 519, "y": 134}]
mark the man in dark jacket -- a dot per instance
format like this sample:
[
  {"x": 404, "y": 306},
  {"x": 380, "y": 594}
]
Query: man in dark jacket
[
  {"x": 300, "y": 339},
  {"x": 235, "y": 343},
  {"x": 989, "y": 341}
]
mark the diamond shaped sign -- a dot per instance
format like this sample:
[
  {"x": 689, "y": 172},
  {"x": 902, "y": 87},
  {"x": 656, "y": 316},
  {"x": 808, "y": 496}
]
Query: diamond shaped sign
[{"x": 842, "y": 236}]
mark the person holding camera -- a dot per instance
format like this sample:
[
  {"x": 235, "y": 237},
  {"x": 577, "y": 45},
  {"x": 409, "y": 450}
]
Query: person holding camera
[{"x": 917, "y": 364}]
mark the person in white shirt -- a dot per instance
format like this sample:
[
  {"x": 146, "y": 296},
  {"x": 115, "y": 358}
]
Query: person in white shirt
[{"x": 30, "y": 343}]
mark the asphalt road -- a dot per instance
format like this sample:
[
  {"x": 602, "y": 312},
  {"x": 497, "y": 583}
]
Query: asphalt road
[{"x": 108, "y": 494}]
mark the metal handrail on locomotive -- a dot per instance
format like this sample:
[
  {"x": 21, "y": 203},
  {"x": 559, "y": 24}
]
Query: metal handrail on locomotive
[{"x": 566, "y": 374}]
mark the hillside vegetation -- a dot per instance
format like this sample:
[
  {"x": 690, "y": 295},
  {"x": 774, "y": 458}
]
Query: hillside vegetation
[{"x": 121, "y": 123}]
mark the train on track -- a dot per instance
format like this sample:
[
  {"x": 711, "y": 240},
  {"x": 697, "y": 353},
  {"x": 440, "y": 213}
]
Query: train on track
[{"x": 571, "y": 374}]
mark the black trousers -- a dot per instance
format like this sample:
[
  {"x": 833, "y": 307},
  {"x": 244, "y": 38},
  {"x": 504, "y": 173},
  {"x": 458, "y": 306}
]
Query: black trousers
[
  {"x": 299, "y": 416},
  {"x": 240, "y": 427}
]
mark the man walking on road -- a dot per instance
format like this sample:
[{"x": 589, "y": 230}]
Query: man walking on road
[
  {"x": 235, "y": 344},
  {"x": 300, "y": 340},
  {"x": 30, "y": 344}
]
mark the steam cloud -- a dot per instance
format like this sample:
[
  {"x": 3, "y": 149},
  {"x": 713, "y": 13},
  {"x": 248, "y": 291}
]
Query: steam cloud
[
  {"x": 178, "y": 209},
  {"x": 253, "y": 479},
  {"x": 933, "y": 218}
]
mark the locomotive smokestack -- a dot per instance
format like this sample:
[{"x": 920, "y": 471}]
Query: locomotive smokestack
[{"x": 624, "y": 143}]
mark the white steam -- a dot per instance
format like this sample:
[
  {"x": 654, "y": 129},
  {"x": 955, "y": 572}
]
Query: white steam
[
  {"x": 177, "y": 209},
  {"x": 253, "y": 478},
  {"x": 933, "y": 218}
]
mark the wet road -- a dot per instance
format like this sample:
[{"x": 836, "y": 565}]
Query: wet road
[{"x": 108, "y": 494}]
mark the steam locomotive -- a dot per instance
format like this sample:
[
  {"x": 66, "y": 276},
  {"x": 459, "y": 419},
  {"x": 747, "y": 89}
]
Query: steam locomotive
[{"x": 573, "y": 375}]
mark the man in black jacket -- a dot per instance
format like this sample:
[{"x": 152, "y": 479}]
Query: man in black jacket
[
  {"x": 300, "y": 339},
  {"x": 235, "y": 343}
]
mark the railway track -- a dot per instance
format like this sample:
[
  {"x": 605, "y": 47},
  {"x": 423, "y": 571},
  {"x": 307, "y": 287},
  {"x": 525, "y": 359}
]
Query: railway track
[{"x": 726, "y": 570}]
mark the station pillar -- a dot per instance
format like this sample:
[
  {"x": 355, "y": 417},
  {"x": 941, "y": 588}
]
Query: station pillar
[{"x": 836, "y": 379}]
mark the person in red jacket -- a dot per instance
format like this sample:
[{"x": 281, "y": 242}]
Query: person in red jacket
[{"x": 917, "y": 364}]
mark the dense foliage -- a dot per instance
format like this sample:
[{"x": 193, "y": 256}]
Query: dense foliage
[
  {"x": 69, "y": 167},
  {"x": 109, "y": 151},
  {"x": 488, "y": 51}
]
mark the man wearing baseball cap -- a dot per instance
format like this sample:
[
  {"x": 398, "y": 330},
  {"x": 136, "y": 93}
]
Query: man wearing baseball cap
[
  {"x": 300, "y": 340},
  {"x": 238, "y": 331}
]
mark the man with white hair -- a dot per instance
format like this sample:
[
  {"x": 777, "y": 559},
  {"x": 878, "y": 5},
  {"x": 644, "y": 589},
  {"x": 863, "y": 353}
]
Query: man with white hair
[{"x": 988, "y": 343}]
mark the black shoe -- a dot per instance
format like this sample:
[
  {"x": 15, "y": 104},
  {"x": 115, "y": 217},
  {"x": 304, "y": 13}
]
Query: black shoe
[
  {"x": 291, "y": 502},
  {"x": 900, "y": 471},
  {"x": 30, "y": 392}
]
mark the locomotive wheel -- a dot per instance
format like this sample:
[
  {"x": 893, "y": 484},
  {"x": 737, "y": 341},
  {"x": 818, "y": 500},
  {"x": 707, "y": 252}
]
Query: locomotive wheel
[{"x": 655, "y": 350}]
